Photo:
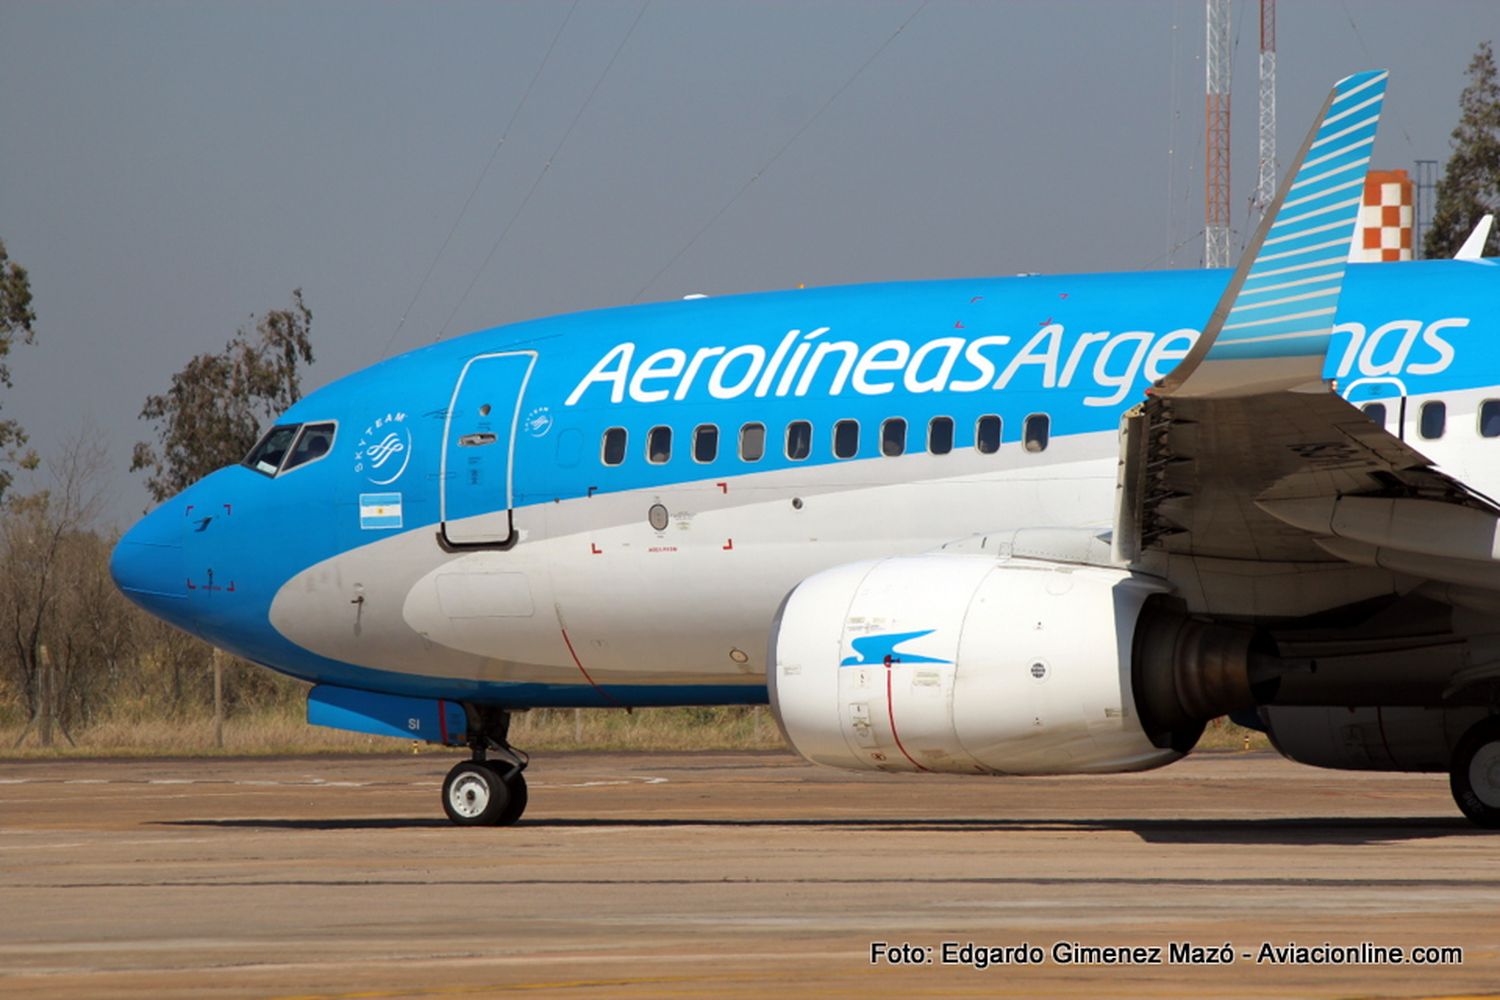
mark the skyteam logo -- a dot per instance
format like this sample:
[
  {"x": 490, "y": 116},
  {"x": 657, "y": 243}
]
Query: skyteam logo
[
  {"x": 384, "y": 450},
  {"x": 881, "y": 651},
  {"x": 538, "y": 422}
]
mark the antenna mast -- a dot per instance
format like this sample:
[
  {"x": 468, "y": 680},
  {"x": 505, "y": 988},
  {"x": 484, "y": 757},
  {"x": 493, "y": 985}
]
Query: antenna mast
[
  {"x": 1265, "y": 186},
  {"x": 1216, "y": 108}
]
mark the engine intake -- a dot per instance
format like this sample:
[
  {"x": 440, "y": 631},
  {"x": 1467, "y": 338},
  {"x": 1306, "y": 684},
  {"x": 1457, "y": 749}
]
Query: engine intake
[{"x": 962, "y": 663}]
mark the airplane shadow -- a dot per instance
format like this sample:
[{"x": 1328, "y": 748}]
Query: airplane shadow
[{"x": 1291, "y": 831}]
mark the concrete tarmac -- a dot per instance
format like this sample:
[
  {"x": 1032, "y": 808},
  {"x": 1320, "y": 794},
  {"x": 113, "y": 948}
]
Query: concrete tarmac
[{"x": 731, "y": 875}]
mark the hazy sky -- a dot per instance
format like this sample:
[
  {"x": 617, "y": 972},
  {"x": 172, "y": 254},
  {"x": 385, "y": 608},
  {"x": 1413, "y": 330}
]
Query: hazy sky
[{"x": 167, "y": 169}]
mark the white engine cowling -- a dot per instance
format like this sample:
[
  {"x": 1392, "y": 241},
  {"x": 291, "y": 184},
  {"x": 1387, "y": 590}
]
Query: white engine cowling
[{"x": 963, "y": 664}]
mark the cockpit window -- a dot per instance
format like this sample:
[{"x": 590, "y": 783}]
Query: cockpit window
[
  {"x": 315, "y": 441},
  {"x": 267, "y": 455}
]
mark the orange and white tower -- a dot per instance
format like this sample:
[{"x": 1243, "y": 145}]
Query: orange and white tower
[{"x": 1385, "y": 218}]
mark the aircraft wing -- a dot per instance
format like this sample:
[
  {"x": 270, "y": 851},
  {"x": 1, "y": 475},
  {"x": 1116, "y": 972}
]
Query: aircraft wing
[{"x": 1243, "y": 452}]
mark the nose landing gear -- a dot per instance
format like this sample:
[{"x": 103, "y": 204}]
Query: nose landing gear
[{"x": 486, "y": 791}]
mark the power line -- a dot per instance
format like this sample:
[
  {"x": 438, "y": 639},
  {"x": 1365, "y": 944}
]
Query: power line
[
  {"x": 1389, "y": 112},
  {"x": 777, "y": 155},
  {"x": 504, "y": 134},
  {"x": 543, "y": 172}
]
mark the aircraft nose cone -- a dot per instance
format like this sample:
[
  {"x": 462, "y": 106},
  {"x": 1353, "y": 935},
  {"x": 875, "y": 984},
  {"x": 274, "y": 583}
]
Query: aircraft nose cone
[{"x": 147, "y": 562}]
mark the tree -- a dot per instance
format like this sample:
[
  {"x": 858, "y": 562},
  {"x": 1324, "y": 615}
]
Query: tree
[
  {"x": 1470, "y": 186},
  {"x": 48, "y": 553},
  {"x": 213, "y": 412},
  {"x": 17, "y": 321}
]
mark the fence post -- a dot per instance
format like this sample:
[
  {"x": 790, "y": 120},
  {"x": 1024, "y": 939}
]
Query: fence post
[{"x": 218, "y": 659}]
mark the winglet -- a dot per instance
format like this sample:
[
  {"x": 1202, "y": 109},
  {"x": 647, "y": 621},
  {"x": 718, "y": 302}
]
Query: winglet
[
  {"x": 1272, "y": 325},
  {"x": 1473, "y": 248}
]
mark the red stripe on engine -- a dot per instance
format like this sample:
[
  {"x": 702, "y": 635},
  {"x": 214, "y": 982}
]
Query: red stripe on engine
[
  {"x": 890, "y": 711},
  {"x": 443, "y": 721}
]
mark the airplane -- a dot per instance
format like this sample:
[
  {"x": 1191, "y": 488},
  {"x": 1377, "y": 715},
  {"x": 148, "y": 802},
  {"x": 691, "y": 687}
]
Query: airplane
[{"x": 1010, "y": 526}]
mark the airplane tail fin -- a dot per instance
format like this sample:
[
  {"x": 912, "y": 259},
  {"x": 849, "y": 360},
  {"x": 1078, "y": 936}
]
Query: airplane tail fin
[
  {"x": 1272, "y": 325},
  {"x": 1473, "y": 248}
]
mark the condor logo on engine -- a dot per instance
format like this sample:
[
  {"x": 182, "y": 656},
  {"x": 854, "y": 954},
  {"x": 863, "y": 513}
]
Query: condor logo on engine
[{"x": 881, "y": 651}]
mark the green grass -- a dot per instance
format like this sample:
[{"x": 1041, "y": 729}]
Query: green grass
[{"x": 284, "y": 731}]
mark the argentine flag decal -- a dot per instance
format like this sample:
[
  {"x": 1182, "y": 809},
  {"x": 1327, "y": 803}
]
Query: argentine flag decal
[{"x": 380, "y": 510}]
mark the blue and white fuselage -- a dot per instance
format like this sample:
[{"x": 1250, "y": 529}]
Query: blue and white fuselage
[
  {"x": 547, "y": 583},
  {"x": 1012, "y": 526}
]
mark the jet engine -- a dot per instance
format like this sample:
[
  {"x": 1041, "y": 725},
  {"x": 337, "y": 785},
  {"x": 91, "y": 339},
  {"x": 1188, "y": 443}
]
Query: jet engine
[
  {"x": 969, "y": 664},
  {"x": 1370, "y": 738}
]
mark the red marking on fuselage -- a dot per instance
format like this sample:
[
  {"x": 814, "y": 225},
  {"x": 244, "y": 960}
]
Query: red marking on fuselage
[
  {"x": 729, "y": 545},
  {"x": 890, "y": 712},
  {"x": 723, "y": 487},
  {"x": 596, "y": 550},
  {"x": 579, "y": 664}
]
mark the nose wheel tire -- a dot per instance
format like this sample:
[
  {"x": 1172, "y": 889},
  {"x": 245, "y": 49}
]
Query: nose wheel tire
[
  {"x": 515, "y": 787},
  {"x": 484, "y": 793},
  {"x": 1474, "y": 774},
  {"x": 474, "y": 795}
]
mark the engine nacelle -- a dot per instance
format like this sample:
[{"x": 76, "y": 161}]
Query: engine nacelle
[
  {"x": 964, "y": 664},
  {"x": 1392, "y": 738}
]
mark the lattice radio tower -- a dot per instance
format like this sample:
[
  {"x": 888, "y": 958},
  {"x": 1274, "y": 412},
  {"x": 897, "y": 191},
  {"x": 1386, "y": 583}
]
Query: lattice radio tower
[
  {"x": 1216, "y": 107},
  {"x": 1265, "y": 184}
]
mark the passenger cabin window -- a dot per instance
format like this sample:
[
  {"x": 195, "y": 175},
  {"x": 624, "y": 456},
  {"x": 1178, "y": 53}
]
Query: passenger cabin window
[
  {"x": 846, "y": 439},
  {"x": 940, "y": 435},
  {"x": 613, "y": 449},
  {"x": 1375, "y": 411},
  {"x": 1489, "y": 418},
  {"x": 893, "y": 437},
  {"x": 268, "y": 453},
  {"x": 705, "y": 443},
  {"x": 987, "y": 434},
  {"x": 752, "y": 442},
  {"x": 659, "y": 445},
  {"x": 315, "y": 441},
  {"x": 1434, "y": 420},
  {"x": 798, "y": 440},
  {"x": 1036, "y": 432}
]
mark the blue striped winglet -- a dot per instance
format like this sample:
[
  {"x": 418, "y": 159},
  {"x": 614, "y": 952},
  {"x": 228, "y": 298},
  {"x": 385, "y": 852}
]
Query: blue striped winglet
[{"x": 1271, "y": 328}]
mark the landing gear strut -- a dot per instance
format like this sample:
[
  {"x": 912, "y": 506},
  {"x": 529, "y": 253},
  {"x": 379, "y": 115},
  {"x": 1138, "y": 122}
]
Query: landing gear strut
[
  {"x": 485, "y": 790},
  {"x": 1474, "y": 774}
]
